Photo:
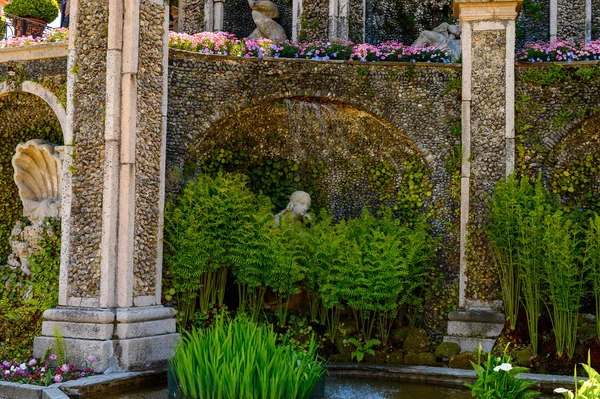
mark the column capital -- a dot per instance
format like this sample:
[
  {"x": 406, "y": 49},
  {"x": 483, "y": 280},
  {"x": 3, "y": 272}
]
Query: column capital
[{"x": 482, "y": 10}]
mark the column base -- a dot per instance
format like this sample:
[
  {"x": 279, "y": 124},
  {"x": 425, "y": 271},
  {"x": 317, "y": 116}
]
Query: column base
[
  {"x": 470, "y": 328},
  {"x": 123, "y": 339}
]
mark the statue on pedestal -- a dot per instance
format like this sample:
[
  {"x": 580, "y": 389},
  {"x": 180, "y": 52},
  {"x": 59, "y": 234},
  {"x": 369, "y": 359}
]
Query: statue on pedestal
[
  {"x": 444, "y": 35},
  {"x": 263, "y": 13}
]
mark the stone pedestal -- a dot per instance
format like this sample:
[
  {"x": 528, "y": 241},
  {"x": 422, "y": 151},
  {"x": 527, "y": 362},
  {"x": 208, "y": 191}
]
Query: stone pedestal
[
  {"x": 488, "y": 87},
  {"x": 113, "y": 188}
]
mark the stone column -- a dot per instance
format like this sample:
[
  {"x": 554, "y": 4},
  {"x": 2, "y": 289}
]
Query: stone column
[
  {"x": 339, "y": 17},
  {"x": 113, "y": 189},
  {"x": 488, "y": 46},
  {"x": 296, "y": 14}
]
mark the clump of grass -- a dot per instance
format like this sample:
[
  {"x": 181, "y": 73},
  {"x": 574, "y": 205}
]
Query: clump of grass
[{"x": 241, "y": 359}]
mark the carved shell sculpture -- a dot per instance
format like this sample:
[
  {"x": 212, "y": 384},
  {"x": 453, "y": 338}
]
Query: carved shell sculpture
[{"x": 38, "y": 176}]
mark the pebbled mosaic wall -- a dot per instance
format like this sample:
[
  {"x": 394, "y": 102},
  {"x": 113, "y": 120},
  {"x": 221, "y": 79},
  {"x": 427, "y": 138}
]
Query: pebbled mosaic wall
[
  {"x": 193, "y": 20},
  {"x": 148, "y": 148},
  {"x": 557, "y": 110},
  {"x": 571, "y": 19},
  {"x": 533, "y": 23},
  {"x": 88, "y": 162},
  {"x": 488, "y": 163},
  {"x": 212, "y": 98}
]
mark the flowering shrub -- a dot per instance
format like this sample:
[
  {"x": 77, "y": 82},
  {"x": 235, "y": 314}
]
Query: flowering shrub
[
  {"x": 587, "y": 389},
  {"x": 43, "y": 373},
  {"x": 53, "y": 36},
  {"x": 221, "y": 43},
  {"x": 560, "y": 50}
]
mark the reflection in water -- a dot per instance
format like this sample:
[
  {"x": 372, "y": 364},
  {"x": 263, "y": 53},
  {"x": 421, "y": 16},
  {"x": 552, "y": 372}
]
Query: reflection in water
[
  {"x": 347, "y": 389},
  {"x": 368, "y": 389}
]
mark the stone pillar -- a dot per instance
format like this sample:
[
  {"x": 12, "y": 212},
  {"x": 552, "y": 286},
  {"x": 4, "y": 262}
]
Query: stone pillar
[
  {"x": 553, "y": 20},
  {"x": 488, "y": 46},
  {"x": 296, "y": 15},
  {"x": 113, "y": 188},
  {"x": 218, "y": 15},
  {"x": 339, "y": 17}
]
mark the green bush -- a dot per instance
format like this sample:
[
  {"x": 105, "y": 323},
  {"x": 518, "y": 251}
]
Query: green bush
[
  {"x": 46, "y": 10},
  {"x": 516, "y": 232},
  {"x": 240, "y": 359},
  {"x": 212, "y": 220},
  {"x": 23, "y": 299},
  {"x": 374, "y": 266},
  {"x": 2, "y": 27},
  {"x": 592, "y": 262}
]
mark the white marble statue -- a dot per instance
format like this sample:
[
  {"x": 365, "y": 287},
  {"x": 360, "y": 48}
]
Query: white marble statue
[
  {"x": 298, "y": 206},
  {"x": 263, "y": 13},
  {"x": 38, "y": 176},
  {"x": 439, "y": 36}
]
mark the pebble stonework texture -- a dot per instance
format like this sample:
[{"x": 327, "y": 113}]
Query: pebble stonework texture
[
  {"x": 571, "y": 19},
  {"x": 210, "y": 95},
  {"x": 191, "y": 16},
  {"x": 113, "y": 192}
]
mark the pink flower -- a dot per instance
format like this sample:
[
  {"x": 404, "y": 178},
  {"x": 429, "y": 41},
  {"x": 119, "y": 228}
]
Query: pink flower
[
  {"x": 57, "y": 378},
  {"x": 52, "y": 357}
]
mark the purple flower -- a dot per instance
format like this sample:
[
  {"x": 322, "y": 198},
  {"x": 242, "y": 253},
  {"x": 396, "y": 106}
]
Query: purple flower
[
  {"x": 52, "y": 357},
  {"x": 57, "y": 378}
]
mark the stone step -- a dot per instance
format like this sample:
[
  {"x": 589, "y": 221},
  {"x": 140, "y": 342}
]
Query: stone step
[
  {"x": 480, "y": 316},
  {"x": 469, "y": 344},
  {"x": 470, "y": 328}
]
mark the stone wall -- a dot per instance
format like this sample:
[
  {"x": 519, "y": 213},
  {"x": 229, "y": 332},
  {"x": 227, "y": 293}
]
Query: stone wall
[
  {"x": 193, "y": 15},
  {"x": 553, "y": 103},
  {"x": 571, "y": 19},
  {"x": 533, "y": 23},
  {"x": 417, "y": 102},
  {"x": 314, "y": 20},
  {"x": 356, "y": 22},
  {"x": 238, "y": 17}
]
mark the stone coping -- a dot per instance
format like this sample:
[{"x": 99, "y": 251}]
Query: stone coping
[
  {"x": 98, "y": 385},
  {"x": 561, "y": 63},
  {"x": 93, "y": 386},
  {"x": 454, "y": 378},
  {"x": 33, "y": 52},
  {"x": 303, "y": 60}
]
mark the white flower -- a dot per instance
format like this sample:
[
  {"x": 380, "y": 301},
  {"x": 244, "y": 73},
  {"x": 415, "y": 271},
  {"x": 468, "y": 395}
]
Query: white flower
[
  {"x": 563, "y": 390},
  {"x": 503, "y": 367},
  {"x": 23, "y": 366},
  {"x": 7, "y": 372}
]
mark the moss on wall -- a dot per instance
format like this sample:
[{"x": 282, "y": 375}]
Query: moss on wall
[{"x": 24, "y": 117}]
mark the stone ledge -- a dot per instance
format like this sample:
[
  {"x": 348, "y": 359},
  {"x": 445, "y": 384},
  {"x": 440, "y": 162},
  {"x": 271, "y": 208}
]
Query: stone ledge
[
  {"x": 470, "y": 344},
  {"x": 150, "y": 313},
  {"x": 438, "y": 375},
  {"x": 478, "y": 316},
  {"x": 80, "y": 315},
  {"x": 33, "y": 52},
  {"x": 470, "y": 328}
]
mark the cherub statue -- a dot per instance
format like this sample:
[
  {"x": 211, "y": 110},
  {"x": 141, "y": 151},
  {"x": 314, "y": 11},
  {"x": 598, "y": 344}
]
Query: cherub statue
[
  {"x": 298, "y": 205},
  {"x": 263, "y": 13},
  {"x": 439, "y": 36}
]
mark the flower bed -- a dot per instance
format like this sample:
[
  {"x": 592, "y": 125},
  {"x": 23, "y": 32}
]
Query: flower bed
[
  {"x": 559, "y": 51},
  {"x": 222, "y": 43},
  {"x": 54, "y": 36},
  {"x": 43, "y": 373}
]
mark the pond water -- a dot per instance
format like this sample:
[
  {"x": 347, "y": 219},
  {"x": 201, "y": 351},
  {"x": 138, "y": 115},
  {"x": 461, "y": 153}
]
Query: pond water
[{"x": 346, "y": 389}]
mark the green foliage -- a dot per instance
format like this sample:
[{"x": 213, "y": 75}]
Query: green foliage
[
  {"x": 23, "y": 299},
  {"x": 373, "y": 266},
  {"x": 2, "y": 27},
  {"x": 362, "y": 348},
  {"x": 516, "y": 231},
  {"x": 564, "y": 277},
  {"x": 544, "y": 76},
  {"x": 578, "y": 183},
  {"x": 46, "y": 10},
  {"x": 240, "y": 359},
  {"x": 59, "y": 346},
  {"x": 496, "y": 378},
  {"x": 592, "y": 262},
  {"x": 534, "y": 10},
  {"x": 414, "y": 189},
  {"x": 211, "y": 218},
  {"x": 10, "y": 204},
  {"x": 584, "y": 389}
]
